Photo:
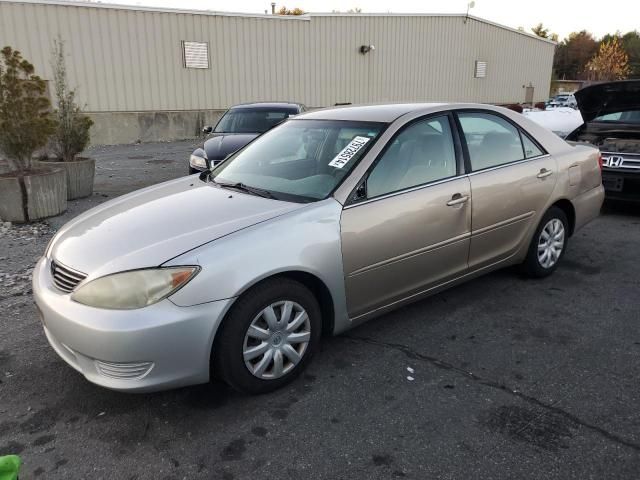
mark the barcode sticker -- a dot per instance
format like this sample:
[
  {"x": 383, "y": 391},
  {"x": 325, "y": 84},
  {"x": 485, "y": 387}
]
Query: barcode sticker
[{"x": 348, "y": 152}]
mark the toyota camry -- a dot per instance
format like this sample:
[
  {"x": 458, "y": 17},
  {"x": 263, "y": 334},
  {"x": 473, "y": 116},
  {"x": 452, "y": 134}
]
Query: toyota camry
[{"x": 331, "y": 218}]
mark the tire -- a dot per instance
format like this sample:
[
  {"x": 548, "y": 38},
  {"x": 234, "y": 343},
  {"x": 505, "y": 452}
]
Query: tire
[
  {"x": 554, "y": 224},
  {"x": 235, "y": 346}
]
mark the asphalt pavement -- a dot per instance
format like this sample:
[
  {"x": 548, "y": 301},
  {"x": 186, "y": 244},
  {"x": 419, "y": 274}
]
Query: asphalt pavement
[{"x": 502, "y": 377}]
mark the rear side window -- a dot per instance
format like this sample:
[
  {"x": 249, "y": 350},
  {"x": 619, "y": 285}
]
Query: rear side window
[
  {"x": 530, "y": 149},
  {"x": 421, "y": 153},
  {"x": 491, "y": 140}
]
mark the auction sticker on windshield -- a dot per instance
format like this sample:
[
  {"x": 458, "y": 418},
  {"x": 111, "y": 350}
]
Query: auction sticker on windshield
[{"x": 348, "y": 152}]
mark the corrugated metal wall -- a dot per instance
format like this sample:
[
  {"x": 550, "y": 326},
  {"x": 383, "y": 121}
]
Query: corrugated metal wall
[{"x": 125, "y": 59}]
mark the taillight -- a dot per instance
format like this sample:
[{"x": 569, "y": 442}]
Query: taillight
[{"x": 600, "y": 161}]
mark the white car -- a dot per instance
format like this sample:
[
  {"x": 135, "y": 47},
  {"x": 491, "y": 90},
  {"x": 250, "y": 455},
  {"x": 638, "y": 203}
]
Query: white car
[
  {"x": 560, "y": 120},
  {"x": 563, "y": 100}
]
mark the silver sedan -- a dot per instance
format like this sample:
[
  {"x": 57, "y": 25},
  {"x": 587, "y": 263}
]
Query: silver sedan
[{"x": 326, "y": 221}]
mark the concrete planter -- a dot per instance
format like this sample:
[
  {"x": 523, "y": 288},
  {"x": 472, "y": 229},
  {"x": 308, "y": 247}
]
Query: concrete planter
[
  {"x": 45, "y": 191},
  {"x": 79, "y": 175}
]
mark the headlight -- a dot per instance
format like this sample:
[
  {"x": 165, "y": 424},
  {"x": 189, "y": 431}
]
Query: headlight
[
  {"x": 197, "y": 162},
  {"x": 133, "y": 289}
]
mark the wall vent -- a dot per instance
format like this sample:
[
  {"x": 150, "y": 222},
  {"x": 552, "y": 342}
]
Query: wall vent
[
  {"x": 481, "y": 69},
  {"x": 195, "y": 54}
]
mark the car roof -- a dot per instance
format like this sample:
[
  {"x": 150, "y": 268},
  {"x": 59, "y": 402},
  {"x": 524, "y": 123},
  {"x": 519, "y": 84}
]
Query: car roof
[
  {"x": 265, "y": 105},
  {"x": 369, "y": 113}
]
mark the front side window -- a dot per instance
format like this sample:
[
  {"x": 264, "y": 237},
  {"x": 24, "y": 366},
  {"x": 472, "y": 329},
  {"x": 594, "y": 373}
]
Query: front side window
[
  {"x": 491, "y": 140},
  {"x": 300, "y": 160},
  {"x": 244, "y": 120},
  {"x": 421, "y": 153}
]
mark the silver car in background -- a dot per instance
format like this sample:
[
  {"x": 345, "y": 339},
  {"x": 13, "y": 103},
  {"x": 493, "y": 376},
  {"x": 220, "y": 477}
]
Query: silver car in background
[{"x": 332, "y": 218}]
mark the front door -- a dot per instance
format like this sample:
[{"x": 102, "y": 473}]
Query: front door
[
  {"x": 511, "y": 178},
  {"x": 411, "y": 231}
]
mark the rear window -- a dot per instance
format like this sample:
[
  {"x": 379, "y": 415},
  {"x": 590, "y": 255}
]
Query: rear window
[
  {"x": 630, "y": 116},
  {"x": 245, "y": 120}
]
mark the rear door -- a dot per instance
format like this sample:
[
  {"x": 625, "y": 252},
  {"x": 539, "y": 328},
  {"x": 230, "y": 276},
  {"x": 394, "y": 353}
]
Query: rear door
[{"x": 512, "y": 178}]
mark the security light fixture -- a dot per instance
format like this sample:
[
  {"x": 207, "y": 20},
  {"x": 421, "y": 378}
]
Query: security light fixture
[
  {"x": 470, "y": 5},
  {"x": 364, "y": 49}
]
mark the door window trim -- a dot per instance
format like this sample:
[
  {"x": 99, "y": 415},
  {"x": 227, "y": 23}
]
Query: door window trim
[
  {"x": 467, "y": 161},
  {"x": 457, "y": 149},
  {"x": 422, "y": 186},
  {"x": 497, "y": 167},
  {"x": 463, "y": 161}
]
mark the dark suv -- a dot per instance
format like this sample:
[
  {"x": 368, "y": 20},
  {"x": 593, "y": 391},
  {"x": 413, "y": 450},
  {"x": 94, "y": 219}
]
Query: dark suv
[
  {"x": 611, "y": 112},
  {"x": 237, "y": 127}
]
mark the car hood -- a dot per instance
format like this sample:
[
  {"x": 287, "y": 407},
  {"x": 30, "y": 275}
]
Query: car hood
[
  {"x": 222, "y": 144},
  {"x": 603, "y": 98},
  {"x": 149, "y": 227}
]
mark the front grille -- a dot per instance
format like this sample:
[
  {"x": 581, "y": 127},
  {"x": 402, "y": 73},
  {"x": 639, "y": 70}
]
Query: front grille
[
  {"x": 65, "y": 278},
  {"x": 124, "y": 371},
  {"x": 614, "y": 160}
]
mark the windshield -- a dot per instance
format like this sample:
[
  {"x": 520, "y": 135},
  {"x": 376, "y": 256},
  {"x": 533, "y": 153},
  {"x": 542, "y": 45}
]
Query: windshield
[
  {"x": 244, "y": 120},
  {"x": 301, "y": 160},
  {"x": 630, "y": 116}
]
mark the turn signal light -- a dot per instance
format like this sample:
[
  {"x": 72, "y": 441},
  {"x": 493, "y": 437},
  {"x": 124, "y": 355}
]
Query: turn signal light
[{"x": 178, "y": 278}]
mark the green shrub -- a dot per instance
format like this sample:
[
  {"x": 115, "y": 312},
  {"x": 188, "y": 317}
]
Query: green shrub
[
  {"x": 25, "y": 117},
  {"x": 72, "y": 135}
]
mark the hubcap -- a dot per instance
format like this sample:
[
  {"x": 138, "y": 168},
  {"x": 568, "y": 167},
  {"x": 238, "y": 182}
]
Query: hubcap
[
  {"x": 551, "y": 243},
  {"x": 276, "y": 340}
]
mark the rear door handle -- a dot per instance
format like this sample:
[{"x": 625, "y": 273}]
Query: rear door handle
[
  {"x": 544, "y": 173},
  {"x": 458, "y": 199}
]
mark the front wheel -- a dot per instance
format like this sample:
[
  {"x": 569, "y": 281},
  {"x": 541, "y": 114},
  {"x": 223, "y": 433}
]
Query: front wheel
[
  {"x": 268, "y": 337},
  {"x": 548, "y": 244}
]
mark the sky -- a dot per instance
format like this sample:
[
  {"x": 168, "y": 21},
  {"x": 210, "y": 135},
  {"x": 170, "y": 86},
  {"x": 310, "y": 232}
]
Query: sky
[{"x": 560, "y": 16}]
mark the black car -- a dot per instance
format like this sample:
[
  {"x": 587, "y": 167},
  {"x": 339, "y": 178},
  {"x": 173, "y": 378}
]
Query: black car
[
  {"x": 611, "y": 112},
  {"x": 237, "y": 127}
]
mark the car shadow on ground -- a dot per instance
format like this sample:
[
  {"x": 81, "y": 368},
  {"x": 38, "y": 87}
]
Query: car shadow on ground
[{"x": 611, "y": 207}]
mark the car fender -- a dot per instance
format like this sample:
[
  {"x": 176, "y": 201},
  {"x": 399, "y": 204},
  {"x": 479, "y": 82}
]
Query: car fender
[{"x": 307, "y": 240}]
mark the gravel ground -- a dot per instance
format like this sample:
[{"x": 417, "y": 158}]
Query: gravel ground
[{"x": 499, "y": 378}]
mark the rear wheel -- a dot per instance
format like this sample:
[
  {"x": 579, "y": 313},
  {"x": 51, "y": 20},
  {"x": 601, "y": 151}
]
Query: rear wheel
[
  {"x": 548, "y": 244},
  {"x": 268, "y": 337}
]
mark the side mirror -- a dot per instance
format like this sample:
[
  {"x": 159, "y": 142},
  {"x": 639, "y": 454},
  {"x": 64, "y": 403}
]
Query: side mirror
[
  {"x": 207, "y": 129},
  {"x": 360, "y": 193}
]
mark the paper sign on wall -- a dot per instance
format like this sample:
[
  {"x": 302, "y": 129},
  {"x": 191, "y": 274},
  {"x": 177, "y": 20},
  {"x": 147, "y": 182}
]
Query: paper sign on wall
[{"x": 348, "y": 152}]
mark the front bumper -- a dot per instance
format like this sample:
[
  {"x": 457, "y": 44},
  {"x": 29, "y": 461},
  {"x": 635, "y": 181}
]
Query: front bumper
[{"x": 153, "y": 348}]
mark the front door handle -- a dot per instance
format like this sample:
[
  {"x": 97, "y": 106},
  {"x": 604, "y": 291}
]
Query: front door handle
[
  {"x": 544, "y": 173},
  {"x": 458, "y": 199}
]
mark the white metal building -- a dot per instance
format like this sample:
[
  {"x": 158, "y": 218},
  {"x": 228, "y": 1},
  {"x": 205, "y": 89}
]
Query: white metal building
[{"x": 147, "y": 73}]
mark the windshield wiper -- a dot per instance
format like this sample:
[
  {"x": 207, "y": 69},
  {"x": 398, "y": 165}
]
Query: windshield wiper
[{"x": 248, "y": 189}]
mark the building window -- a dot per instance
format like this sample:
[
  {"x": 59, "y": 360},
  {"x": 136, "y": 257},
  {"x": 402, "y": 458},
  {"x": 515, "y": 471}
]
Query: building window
[
  {"x": 481, "y": 69},
  {"x": 195, "y": 54}
]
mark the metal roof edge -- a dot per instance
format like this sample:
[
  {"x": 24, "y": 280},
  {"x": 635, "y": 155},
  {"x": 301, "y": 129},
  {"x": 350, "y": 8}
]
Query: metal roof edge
[{"x": 305, "y": 17}]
